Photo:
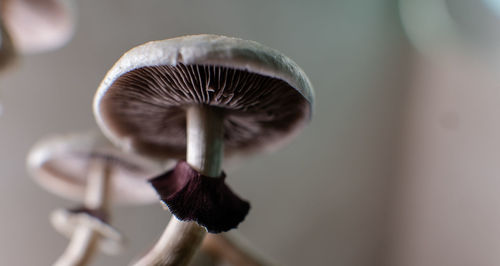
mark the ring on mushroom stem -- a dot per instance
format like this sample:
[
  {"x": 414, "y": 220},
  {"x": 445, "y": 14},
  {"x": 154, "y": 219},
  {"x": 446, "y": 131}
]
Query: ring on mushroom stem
[
  {"x": 199, "y": 97},
  {"x": 88, "y": 168}
]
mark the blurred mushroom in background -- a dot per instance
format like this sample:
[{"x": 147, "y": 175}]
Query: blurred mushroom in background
[
  {"x": 34, "y": 26},
  {"x": 88, "y": 169},
  {"x": 447, "y": 204},
  {"x": 38, "y": 25}
]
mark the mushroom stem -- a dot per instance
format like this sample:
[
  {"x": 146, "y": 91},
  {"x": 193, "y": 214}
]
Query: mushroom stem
[
  {"x": 204, "y": 140},
  {"x": 80, "y": 249},
  {"x": 231, "y": 248},
  {"x": 181, "y": 239},
  {"x": 97, "y": 196},
  {"x": 176, "y": 246},
  {"x": 83, "y": 243}
]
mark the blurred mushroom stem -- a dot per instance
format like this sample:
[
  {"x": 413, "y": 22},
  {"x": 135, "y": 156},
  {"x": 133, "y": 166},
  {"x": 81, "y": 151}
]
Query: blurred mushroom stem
[
  {"x": 181, "y": 239},
  {"x": 83, "y": 243}
]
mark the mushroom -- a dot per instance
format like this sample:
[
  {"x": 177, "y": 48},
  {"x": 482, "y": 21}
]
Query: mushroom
[
  {"x": 200, "y": 96},
  {"x": 38, "y": 25},
  {"x": 87, "y": 168}
]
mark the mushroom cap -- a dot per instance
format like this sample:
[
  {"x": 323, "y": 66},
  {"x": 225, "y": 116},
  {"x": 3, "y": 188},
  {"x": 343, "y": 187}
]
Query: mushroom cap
[
  {"x": 66, "y": 221},
  {"x": 39, "y": 25},
  {"x": 264, "y": 96},
  {"x": 60, "y": 164}
]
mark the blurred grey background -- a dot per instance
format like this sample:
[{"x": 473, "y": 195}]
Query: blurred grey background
[{"x": 322, "y": 200}]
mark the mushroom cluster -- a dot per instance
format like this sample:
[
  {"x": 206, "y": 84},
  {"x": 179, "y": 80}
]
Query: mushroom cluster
[{"x": 200, "y": 98}]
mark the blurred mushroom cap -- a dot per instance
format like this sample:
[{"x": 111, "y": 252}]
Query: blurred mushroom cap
[
  {"x": 61, "y": 164},
  {"x": 39, "y": 25}
]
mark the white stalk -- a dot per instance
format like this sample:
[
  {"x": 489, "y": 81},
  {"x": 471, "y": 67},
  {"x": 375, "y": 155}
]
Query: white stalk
[
  {"x": 80, "y": 249},
  {"x": 84, "y": 240},
  {"x": 204, "y": 140},
  {"x": 180, "y": 240},
  {"x": 234, "y": 249}
]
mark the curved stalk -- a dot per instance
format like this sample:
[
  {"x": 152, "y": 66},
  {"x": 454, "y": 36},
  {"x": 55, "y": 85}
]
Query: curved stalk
[
  {"x": 234, "y": 249},
  {"x": 180, "y": 240},
  {"x": 84, "y": 240},
  {"x": 80, "y": 249}
]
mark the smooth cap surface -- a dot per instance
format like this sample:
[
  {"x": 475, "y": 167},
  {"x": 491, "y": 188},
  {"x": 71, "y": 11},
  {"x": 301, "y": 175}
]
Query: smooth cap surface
[
  {"x": 61, "y": 165},
  {"x": 263, "y": 95}
]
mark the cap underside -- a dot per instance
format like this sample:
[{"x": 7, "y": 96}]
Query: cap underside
[{"x": 146, "y": 106}]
